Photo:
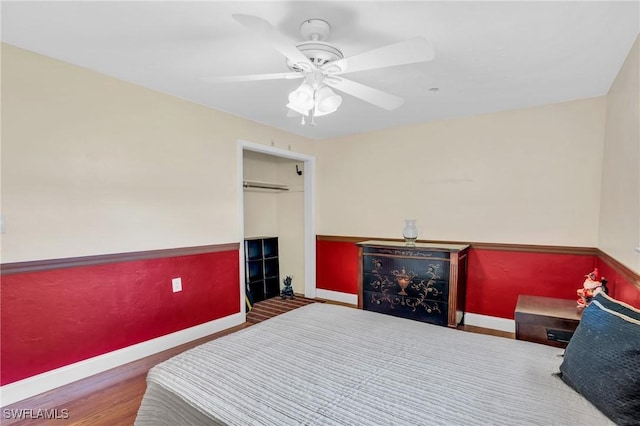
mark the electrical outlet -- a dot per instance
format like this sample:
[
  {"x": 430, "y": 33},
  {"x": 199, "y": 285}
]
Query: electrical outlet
[
  {"x": 637, "y": 249},
  {"x": 176, "y": 284}
]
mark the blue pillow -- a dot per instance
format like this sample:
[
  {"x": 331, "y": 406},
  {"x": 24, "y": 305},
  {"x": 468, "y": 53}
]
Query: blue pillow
[
  {"x": 602, "y": 359},
  {"x": 615, "y": 305}
]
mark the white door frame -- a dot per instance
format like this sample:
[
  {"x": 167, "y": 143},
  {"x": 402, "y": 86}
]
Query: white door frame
[{"x": 309, "y": 212}]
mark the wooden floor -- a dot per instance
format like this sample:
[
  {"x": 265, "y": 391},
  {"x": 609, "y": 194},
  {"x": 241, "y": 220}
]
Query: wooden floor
[
  {"x": 113, "y": 397},
  {"x": 275, "y": 306},
  {"x": 109, "y": 398}
]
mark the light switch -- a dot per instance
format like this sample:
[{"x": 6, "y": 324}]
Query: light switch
[{"x": 176, "y": 283}]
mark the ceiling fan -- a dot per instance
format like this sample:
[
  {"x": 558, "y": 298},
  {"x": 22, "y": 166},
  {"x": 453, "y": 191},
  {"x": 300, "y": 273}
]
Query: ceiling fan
[{"x": 321, "y": 66}]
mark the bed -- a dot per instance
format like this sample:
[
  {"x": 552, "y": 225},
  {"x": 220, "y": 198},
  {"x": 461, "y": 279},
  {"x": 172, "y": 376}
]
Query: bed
[{"x": 325, "y": 364}]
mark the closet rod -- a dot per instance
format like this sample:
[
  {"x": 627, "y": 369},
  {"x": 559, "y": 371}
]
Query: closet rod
[{"x": 265, "y": 185}]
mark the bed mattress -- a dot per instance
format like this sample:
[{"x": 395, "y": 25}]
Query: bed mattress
[{"x": 325, "y": 364}]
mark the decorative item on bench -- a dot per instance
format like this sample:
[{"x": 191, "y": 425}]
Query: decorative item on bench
[
  {"x": 287, "y": 290},
  {"x": 593, "y": 284},
  {"x": 410, "y": 232}
]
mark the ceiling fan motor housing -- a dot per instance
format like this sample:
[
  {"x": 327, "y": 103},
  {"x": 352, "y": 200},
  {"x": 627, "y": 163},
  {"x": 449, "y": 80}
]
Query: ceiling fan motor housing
[
  {"x": 316, "y": 49},
  {"x": 319, "y": 53}
]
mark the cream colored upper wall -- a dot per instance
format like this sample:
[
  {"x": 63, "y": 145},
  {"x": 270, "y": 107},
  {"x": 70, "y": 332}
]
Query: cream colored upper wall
[
  {"x": 620, "y": 208},
  {"x": 93, "y": 165},
  {"x": 529, "y": 176}
]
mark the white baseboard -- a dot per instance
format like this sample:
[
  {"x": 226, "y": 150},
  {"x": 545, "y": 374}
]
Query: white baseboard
[
  {"x": 44, "y": 382},
  {"x": 337, "y": 296},
  {"x": 40, "y": 383},
  {"x": 494, "y": 323}
]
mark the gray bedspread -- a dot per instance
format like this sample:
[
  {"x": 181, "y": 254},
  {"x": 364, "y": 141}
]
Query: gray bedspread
[{"x": 324, "y": 364}]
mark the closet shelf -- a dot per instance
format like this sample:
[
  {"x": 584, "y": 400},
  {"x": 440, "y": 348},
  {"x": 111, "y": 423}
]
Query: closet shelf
[{"x": 252, "y": 184}]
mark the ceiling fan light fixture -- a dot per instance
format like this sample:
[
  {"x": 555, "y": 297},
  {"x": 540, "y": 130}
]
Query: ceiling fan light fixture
[
  {"x": 327, "y": 101},
  {"x": 302, "y": 97},
  {"x": 294, "y": 108},
  {"x": 318, "y": 113}
]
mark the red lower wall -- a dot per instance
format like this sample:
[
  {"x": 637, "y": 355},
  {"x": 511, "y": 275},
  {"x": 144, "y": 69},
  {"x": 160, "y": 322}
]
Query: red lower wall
[
  {"x": 58, "y": 317},
  {"x": 53, "y": 318},
  {"x": 495, "y": 278},
  {"x": 337, "y": 266},
  {"x": 619, "y": 287}
]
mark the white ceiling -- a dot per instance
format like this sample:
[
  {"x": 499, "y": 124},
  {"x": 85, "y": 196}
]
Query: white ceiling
[{"x": 490, "y": 56}]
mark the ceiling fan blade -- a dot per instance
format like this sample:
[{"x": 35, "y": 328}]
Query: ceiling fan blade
[
  {"x": 409, "y": 51},
  {"x": 369, "y": 94},
  {"x": 253, "y": 77},
  {"x": 279, "y": 41}
]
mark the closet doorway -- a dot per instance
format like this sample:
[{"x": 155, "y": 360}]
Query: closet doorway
[{"x": 276, "y": 193}]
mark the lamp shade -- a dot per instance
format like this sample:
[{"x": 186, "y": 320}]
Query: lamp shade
[
  {"x": 327, "y": 101},
  {"x": 302, "y": 97},
  {"x": 295, "y": 108}
]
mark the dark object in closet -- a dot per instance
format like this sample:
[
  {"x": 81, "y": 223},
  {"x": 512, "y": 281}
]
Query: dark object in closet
[{"x": 262, "y": 273}]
